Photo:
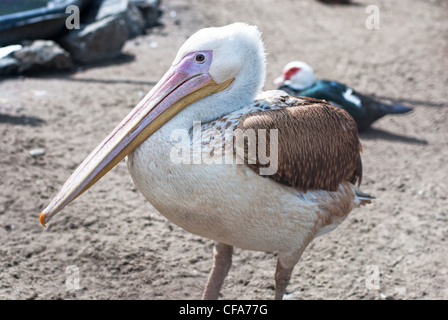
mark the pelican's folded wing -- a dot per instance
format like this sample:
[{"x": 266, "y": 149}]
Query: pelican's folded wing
[{"x": 318, "y": 145}]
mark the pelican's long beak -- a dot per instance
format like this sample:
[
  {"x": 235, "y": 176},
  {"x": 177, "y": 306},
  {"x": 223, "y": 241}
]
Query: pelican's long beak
[{"x": 184, "y": 83}]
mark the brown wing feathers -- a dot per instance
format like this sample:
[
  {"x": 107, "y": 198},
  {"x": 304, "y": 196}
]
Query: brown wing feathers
[{"x": 318, "y": 146}]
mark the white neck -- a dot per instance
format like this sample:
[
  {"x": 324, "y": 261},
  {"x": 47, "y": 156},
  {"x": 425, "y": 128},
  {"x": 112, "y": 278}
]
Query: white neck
[
  {"x": 302, "y": 79},
  {"x": 300, "y": 84}
]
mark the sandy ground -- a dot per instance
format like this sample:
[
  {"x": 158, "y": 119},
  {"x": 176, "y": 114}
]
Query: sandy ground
[{"x": 124, "y": 249}]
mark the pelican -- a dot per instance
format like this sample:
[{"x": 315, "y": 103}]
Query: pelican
[{"x": 214, "y": 84}]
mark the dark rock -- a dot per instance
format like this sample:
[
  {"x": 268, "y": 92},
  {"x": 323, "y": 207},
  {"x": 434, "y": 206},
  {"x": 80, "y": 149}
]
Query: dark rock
[
  {"x": 8, "y": 66},
  {"x": 123, "y": 9},
  {"x": 98, "y": 41},
  {"x": 112, "y": 8},
  {"x": 42, "y": 55},
  {"x": 135, "y": 21},
  {"x": 105, "y": 26},
  {"x": 150, "y": 11}
]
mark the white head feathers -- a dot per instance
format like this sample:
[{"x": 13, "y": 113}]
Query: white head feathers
[{"x": 234, "y": 47}]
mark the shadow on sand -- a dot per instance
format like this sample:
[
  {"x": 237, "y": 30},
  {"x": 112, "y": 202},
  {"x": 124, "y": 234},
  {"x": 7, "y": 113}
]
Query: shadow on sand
[
  {"x": 21, "y": 120},
  {"x": 374, "y": 133}
]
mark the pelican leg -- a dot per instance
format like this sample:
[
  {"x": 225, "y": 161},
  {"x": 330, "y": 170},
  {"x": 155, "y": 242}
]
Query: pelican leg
[
  {"x": 222, "y": 260},
  {"x": 282, "y": 277},
  {"x": 285, "y": 265}
]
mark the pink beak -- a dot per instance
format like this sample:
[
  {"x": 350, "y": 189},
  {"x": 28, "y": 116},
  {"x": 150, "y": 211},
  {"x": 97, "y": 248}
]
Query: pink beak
[
  {"x": 279, "y": 81},
  {"x": 183, "y": 84}
]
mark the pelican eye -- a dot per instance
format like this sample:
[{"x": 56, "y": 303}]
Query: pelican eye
[{"x": 200, "y": 58}]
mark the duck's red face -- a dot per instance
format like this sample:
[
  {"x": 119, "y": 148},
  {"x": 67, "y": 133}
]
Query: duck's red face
[
  {"x": 288, "y": 73},
  {"x": 291, "y": 72},
  {"x": 297, "y": 75}
]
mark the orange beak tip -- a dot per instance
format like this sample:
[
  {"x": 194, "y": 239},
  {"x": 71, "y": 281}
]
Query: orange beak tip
[{"x": 42, "y": 219}]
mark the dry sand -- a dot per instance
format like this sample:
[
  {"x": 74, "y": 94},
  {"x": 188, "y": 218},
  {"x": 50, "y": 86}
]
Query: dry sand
[{"x": 124, "y": 249}]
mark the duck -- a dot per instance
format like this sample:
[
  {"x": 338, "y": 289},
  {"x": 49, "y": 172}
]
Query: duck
[{"x": 298, "y": 79}]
